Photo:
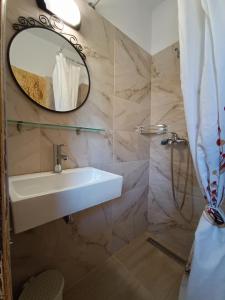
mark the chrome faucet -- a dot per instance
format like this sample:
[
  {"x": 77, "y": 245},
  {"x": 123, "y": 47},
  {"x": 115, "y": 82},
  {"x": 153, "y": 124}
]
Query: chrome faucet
[
  {"x": 57, "y": 157},
  {"x": 174, "y": 139}
]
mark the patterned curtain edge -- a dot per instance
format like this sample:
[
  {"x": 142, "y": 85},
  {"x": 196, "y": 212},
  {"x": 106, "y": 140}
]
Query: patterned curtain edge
[{"x": 5, "y": 271}]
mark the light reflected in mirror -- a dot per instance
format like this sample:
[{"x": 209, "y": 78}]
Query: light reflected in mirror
[{"x": 48, "y": 69}]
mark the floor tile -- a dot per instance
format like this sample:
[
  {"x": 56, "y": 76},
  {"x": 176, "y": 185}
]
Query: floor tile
[{"x": 137, "y": 272}]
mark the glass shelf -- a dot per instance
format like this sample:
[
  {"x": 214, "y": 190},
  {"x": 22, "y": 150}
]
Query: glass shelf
[{"x": 21, "y": 124}]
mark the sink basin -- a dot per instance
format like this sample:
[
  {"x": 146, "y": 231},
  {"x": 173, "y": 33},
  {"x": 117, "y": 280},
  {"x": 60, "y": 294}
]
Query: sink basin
[{"x": 40, "y": 198}]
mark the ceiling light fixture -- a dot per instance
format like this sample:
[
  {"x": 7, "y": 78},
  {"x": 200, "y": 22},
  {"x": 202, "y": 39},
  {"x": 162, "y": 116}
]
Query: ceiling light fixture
[{"x": 66, "y": 10}]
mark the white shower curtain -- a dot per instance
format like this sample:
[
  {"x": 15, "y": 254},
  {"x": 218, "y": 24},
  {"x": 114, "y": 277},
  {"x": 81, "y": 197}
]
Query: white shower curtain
[
  {"x": 66, "y": 78},
  {"x": 202, "y": 44}
]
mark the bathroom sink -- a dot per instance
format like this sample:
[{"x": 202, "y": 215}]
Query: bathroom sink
[{"x": 43, "y": 197}]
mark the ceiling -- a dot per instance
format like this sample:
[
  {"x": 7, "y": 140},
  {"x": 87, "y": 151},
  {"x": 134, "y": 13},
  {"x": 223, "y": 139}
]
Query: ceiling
[
  {"x": 133, "y": 17},
  {"x": 151, "y": 3}
]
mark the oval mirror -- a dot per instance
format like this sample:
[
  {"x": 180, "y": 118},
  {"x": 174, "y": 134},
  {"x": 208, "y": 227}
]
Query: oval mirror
[{"x": 49, "y": 69}]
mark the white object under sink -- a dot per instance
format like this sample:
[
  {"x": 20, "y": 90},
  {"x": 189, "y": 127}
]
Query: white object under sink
[{"x": 39, "y": 198}]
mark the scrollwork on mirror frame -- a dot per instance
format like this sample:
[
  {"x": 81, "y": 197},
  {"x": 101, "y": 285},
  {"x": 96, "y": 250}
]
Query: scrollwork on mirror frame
[{"x": 52, "y": 23}]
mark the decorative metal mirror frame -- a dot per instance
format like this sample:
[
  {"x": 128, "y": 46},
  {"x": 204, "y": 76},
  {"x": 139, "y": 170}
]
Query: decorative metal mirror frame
[{"x": 55, "y": 25}]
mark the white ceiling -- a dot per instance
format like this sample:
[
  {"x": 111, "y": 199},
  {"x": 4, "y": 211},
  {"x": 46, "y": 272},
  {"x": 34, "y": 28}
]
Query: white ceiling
[
  {"x": 133, "y": 17},
  {"x": 151, "y": 3}
]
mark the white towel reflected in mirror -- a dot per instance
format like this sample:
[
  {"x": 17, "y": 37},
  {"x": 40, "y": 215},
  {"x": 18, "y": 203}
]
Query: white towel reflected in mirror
[{"x": 66, "y": 78}]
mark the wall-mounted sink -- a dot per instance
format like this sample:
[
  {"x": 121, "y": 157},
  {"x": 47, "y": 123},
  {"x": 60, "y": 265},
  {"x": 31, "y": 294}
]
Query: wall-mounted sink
[{"x": 43, "y": 197}]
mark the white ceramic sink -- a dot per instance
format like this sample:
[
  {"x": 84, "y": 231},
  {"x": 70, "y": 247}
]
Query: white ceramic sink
[{"x": 43, "y": 197}]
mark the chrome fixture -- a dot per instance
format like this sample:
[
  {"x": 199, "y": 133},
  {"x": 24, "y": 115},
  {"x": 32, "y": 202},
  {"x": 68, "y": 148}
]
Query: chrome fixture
[
  {"x": 152, "y": 129},
  {"x": 69, "y": 219},
  {"x": 174, "y": 139},
  {"x": 93, "y": 5},
  {"x": 177, "y": 50},
  {"x": 57, "y": 158}
]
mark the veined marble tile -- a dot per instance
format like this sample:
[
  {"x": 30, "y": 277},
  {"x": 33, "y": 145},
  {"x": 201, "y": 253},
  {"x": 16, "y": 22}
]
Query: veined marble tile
[
  {"x": 174, "y": 237},
  {"x": 130, "y": 146},
  {"x": 84, "y": 149},
  {"x": 75, "y": 249},
  {"x": 23, "y": 151},
  {"x": 162, "y": 167},
  {"x": 129, "y": 215},
  {"x": 132, "y": 70},
  {"x": 157, "y": 272},
  {"x": 167, "y": 107},
  {"x": 112, "y": 281},
  {"x": 27, "y": 8},
  {"x": 77, "y": 154},
  {"x": 128, "y": 115},
  {"x": 166, "y": 63},
  {"x": 172, "y": 227},
  {"x": 95, "y": 32},
  {"x": 166, "y": 97},
  {"x": 169, "y": 113},
  {"x": 100, "y": 147},
  {"x": 163, "y": 208},
  {"x": 135, "y": 174},
  {"x": 139, "y": 271}
]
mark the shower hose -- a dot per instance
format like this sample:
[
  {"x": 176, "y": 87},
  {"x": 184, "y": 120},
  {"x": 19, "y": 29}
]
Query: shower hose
[{"x": 179, "y": 206}]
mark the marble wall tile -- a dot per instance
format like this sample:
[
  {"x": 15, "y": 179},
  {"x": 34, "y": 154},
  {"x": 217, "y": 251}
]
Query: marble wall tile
[
  {"x": 113, "y": 103},
  {"x": 96, "y": 33},
  {"x": 131, "y": 60},
  {"x": 100, "y": 148},
  {"x": 129, "y": 115},
  {"x": 26, "y": 6},
  {"x": 130, "y": 210},
  {"x": 163, "y": 209},
  {"x": 23, "y": 151},
  {"x": 135, "y": 174},
  {"x": 129, "y": 216},
  {"x": 74, "y": 249},
  {"x": 83, "y": 149},
  {"x": 77, "y": 154},
  {"x": 182, "y": 164},
  {"x": 111, "y": 281},
  {"x": 129, "y": 88},
  {"x": 130, "y": 146},
  {"x": 166, "y": 98},
  {"x": 167, "y": 107}
]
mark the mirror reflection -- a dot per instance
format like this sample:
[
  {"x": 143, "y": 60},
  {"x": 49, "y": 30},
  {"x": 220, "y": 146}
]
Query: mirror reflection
[{"x": 48, "y": 69}]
